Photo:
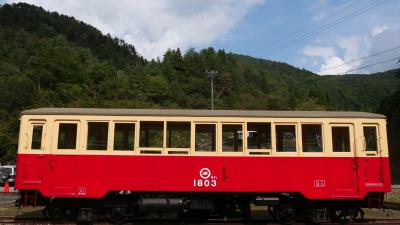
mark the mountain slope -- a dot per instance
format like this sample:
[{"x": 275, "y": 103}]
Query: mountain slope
[
  {"x": 41, "y": 23},
  {"x": 350, "y": 92}
]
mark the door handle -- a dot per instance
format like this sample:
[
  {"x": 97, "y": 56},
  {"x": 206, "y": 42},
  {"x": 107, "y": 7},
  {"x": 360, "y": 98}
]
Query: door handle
[
  {"x": 224, "y": 177},
  {"x": 26, "y": 141},
  {"x": 51, "y": 163},
  {"x": 24, "y": 169},
  {"x": 355, "y": 164}
]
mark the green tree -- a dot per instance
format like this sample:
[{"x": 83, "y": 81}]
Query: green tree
[{"x": 156, "y": 88}]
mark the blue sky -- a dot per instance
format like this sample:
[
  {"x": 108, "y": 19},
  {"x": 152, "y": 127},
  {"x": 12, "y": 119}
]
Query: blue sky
[
  {"x": 260, "y": 28},
  {"x": 351, "y": 39}
]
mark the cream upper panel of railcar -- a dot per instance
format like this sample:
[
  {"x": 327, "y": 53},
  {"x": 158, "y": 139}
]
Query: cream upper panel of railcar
[{"x": 47, "y": 123}]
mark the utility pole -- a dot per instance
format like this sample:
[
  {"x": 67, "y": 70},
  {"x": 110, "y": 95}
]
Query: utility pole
[{"x": 211, "y": 74}]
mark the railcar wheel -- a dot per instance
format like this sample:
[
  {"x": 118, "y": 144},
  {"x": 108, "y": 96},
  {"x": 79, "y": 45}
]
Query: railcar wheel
[
  {"x": 56, "y": 214},
  {"x": 45, "y": 211},
  {"x": 70, "y": 214},
  {"x": 337, "y": 215},
  {"x": 343, "y": 215},
  {"x": 284, "y": 214},
  {"x": 272, "y": 212},
  {"x": 119, "y": 215},
  {"x": 356, "y": 214}
]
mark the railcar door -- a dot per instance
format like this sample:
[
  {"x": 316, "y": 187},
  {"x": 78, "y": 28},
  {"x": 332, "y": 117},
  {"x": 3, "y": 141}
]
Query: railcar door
[
  {"x": 64, "y": 158},
  {"x": 371, "y": 156},
  {"x": 343, "y": 161},
  {"x": 33, "y": 164}
]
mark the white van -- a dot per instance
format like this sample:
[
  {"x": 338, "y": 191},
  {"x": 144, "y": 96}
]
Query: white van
[{"x": 7, "y": 173}]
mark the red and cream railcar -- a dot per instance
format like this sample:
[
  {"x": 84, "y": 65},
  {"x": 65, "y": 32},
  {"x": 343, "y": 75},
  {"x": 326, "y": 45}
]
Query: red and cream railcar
[{"x": 133, "y": 161}]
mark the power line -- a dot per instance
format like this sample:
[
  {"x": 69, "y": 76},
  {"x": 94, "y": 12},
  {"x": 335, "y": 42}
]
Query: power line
[
  {"x": 359, "y": 68},
  {"x": 328, "y": 26},
  {"x": 365, "y": 57},
  {"x": 307, "y": 26},
  {"x": 331, "y": 24}
]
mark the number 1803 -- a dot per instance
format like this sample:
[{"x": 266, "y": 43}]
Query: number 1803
[{"x": 204, "y": 183}]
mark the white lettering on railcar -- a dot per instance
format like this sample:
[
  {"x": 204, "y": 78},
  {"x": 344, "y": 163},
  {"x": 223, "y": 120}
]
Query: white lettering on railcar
[
  {"x": 81, "y": 190},
  {"x": 319, "y": 183},
  {"x": 206, "y": 179},
  {"x": 205, "y": 173}
]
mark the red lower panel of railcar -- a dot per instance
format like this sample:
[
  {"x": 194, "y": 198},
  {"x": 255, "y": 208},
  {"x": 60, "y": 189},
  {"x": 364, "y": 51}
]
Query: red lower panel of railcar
[{"x": 92, "y": 176}]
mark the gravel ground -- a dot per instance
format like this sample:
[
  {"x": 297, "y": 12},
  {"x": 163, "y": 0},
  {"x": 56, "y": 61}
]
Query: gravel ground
[{"x": 393, "y": 196}]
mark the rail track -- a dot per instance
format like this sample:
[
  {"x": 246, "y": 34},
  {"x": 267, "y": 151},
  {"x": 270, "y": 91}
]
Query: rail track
[
  {"x": 392, "y": 205},
  {"x": 15, "y": 220},
  {"x": 37, "y": 219}
]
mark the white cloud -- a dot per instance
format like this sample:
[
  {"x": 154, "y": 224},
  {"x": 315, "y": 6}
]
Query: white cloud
[
  {"x": 156, "y": 25},
  {"x": 334, "y": 65},
  {"x": 329, "y": 55},
  {"x": 346, "y": 49},
  {"x": 315, "y": 51},
  {"x": 337, "y": 58},
  {"x": 364, "y": 35},
  {"x": 351, "y": 46},
  {"x": 378, "y": 29}
]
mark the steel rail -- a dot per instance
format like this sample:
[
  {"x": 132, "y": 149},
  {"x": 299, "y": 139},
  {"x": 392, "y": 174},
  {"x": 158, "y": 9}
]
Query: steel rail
[{"x": 15, "y": 220}]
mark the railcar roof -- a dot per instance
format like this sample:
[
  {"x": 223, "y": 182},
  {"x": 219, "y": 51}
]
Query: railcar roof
[{"x": 200, "y": 113}]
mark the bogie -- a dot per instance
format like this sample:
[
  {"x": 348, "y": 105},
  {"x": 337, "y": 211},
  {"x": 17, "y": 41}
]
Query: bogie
[{"x": 288, "y": 209}]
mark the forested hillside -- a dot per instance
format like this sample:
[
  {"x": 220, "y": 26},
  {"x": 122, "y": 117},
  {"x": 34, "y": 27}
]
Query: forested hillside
[
  {"x": 391, "y": 107},
  {"x": 48, "y": 59}
]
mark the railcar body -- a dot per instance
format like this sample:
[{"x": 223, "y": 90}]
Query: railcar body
[{"x": 131, "y": 162}]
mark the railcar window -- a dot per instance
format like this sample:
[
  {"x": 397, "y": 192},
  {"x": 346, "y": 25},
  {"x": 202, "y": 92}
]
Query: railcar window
[
  {"x": 259, "y": 135},
  {"x": 124, "y": 136},
  {"x": 341, "y": 139},
  {"x": 371, "y": 142},
  {"x": 37, "y": 133},
  {"x": 311, "y": 137},
  {"x": 205, "y": 137},
  {"x": 67, "y": 136},
  {"x": 232, "y": 138},
  {"x": 97, "y": 136},
  {"x": 151, "y": 134},
  {"x": 285, "y": 138},
  {"x": 178, "y": 134}
]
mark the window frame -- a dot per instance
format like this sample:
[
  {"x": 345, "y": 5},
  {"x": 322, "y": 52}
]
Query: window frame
[
  {"x": 193, "y": 139},
  {"x": 275, "y": 141},
  {"x": 178, "y": 151},
  {"x": 135, "y": 138},
  {"x": 260, "y": 151},
  {"x": 378, "y": 140},
  {"x": 29, "y": 136},
  {"x": 56, "y": 132},
  {"x": 219, "y": 139},
  {"x": 300, "y": 142},
  {"x": 152, "y": 150},
  {"x": 352, "y": 152},
  {"x": 96, "y": 151}
]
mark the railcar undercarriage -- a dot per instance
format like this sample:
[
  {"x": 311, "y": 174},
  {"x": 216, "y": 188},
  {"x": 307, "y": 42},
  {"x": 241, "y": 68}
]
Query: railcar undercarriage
[{"x": 120, "y": 207}]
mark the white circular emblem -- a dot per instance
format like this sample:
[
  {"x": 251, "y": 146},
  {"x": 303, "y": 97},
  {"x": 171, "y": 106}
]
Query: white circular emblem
[{"x": 205, "y": 173}]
